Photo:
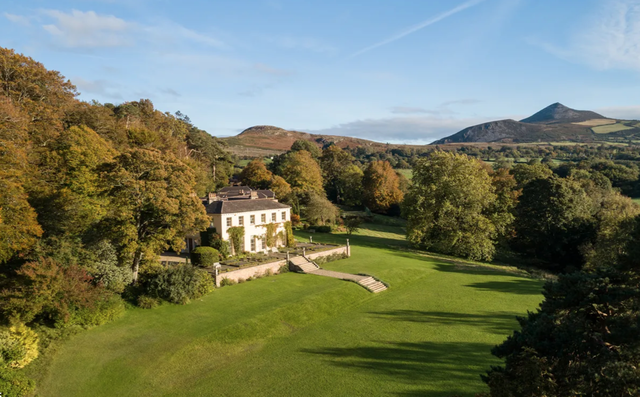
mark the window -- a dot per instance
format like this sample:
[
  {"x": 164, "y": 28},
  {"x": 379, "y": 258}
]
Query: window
[
  {"x": 263, "y": 218},
  {"x": 284, "y": 215},
  {"x": 241, "y": 221},
  {"x": 264, "y": 243},
  {"x": 253, "y": 243},
  {"x": 228, "y": 222},
  {"x": 273, "y": 217},
  {"x": 252, "y": 220}
]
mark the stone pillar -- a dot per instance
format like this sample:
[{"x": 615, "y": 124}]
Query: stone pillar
[
  {"x": 311, "y": 239},
  {"x": 348, "y": 249},
  {"x": 304, "y": 252},
  {"x": 217, "y": 274}
]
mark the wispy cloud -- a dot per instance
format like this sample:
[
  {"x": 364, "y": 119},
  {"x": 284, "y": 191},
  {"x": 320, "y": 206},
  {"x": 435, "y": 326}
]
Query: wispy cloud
[
  {"x": 99, "y": 87},
  {"x": 621, "y": 112},
  {"x": 19, "y": 19},
  {"x": 419, "y": 26},
  {"x": 443, "y": 109},
  {"x": 408, "y": 129},
  {"x": 89, "y": 30},
  {"x": 610, "y": 39}
]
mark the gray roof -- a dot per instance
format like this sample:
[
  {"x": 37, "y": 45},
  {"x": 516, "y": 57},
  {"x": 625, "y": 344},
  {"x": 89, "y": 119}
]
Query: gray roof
[{"x": 247, "y": 205}]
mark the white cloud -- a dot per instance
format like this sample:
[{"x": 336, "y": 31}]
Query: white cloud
[
  {"x": 410, "y": 129},
  {"x": 99, "y": 87},
  {"x": 80, "y": 29},
  {"x": 621, "y": 112},
  {"x": 609, "y": 39},
  {"x": 19, "y": 19}
]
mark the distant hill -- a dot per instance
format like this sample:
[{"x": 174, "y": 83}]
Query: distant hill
[
  {"x": 558, "y": 113},
  {"x": 555, "y": 123},
  {"x": 266, "y": 139}
]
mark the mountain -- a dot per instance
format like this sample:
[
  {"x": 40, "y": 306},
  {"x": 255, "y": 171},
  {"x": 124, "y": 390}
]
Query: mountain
[
  {"x": 263, "y": 140},
  {"x": 555, "y": 123},
  {"x": 558, "y": 113}
]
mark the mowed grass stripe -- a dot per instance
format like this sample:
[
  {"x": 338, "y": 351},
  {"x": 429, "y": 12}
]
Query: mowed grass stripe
[{"x": 304, "y": 335}]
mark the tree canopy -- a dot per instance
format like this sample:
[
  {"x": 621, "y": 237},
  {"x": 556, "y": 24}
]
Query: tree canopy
[{"x": 381, "y": 187}]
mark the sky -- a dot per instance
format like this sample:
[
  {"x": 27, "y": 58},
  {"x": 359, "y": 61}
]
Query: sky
[{"x": 401, "y": 71}]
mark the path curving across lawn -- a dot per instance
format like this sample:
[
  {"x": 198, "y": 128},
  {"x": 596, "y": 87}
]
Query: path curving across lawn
[{"x": 300, "y": 335}]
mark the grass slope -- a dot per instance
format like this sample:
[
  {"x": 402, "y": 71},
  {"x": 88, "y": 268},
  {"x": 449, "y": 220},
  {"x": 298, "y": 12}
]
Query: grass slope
[{"x": 304, "y": 335}]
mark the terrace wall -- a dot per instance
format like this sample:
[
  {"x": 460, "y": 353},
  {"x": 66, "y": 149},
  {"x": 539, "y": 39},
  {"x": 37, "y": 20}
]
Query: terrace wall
[
  {"x": 340, "y": 250},
  {"x": 252, "y": 271}
]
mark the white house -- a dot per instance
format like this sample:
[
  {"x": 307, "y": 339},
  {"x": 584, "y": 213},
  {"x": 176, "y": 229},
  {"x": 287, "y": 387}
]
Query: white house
[{"x": 252, "y": 209}]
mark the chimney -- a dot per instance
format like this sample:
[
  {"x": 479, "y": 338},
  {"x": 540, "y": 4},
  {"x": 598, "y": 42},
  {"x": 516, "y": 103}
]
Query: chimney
[
  {"x": 254, "y": 194},
  {"x": 212, "y": 197}
]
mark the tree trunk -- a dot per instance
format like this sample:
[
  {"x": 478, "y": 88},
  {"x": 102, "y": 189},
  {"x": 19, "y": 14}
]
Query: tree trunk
[{"x": 136, "y": 266}]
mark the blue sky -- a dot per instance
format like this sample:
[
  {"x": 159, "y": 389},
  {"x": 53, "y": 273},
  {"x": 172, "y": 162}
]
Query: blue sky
[{"x": 392, "y": 71}]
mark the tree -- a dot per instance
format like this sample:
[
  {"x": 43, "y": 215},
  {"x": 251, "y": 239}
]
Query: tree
[
  {"x": 350, "y": 183},
  {"x": 450, "y": 206},
  {"x": 320, "y": 210},
  {"x": 525, "y": 173},
  {"x": 19, "y": 228},
  {"x": 280, "y": 188},
  {"x": 554, "y": 221},
  {"x": 256, "y": 175},
  {"x": 381, "y": 187},
  {"x": 154, "y": 205},
  {"x": 352, "y": 224},
  {"x": 302, "y": 172},
  {"x": 334, "y": 162},
  {"x": 302, "y": 144}
]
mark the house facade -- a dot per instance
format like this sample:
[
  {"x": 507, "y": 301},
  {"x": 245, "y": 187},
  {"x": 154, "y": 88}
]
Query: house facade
[{"x": 240, "y": 206}]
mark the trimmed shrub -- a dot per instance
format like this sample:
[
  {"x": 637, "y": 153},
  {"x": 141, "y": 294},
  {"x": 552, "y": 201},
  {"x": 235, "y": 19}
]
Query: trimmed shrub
[
  {"x": 291, "y": 241},
  {"x": 147, "y": 302},
  {"x": 204, "y": 256},
  {"x": 179, "y": 284},
  {"x": 284, "y": 269},
  {"x": 210, "y": 238},
  {"x": 322, "y": 229},
  {"x": 18, "y": 346}
]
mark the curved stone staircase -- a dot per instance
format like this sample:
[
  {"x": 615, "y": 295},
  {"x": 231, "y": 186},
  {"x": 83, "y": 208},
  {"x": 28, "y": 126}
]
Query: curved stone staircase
[{"x": 304, "y": 265}]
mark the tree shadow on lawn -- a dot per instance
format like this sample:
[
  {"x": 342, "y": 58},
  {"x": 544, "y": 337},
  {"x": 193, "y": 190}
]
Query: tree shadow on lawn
[
  {"x": 502, "y": 323},
  {"x": 519, "y": 287},
  {"x": 355, "y": 240},
  {"x": 448, "y": 366}
]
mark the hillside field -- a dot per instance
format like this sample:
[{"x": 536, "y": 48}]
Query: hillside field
[{"x": 305, "y": 335}]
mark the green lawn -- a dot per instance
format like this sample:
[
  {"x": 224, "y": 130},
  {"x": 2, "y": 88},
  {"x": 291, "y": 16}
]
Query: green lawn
[
  {"x": 636, "y": 200},
  {"x": 407, "y": 173},
  {"x": 304, "y": 335}
]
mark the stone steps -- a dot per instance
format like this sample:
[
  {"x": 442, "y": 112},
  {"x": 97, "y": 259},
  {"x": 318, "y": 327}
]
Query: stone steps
[
  {"x": 308, "y": 267},
  {"x": 373, "y": 285}
]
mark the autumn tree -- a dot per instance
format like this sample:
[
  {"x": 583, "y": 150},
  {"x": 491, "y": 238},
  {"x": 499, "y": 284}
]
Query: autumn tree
[
  {"x": 302, "y": 172},
  {"x": 256, "y": 175},
  {"x": 280, "y": 188},
  {"x": 350, "y": 183},
  {"x": 19, "y": 229},
  {"x": 381, "y": 187},
  {"x": 153, "y": 204},
  {"x": 451, "y": 207}
]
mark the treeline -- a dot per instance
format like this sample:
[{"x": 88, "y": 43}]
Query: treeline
[
  {"x": 311, "y": 180},
  {"x": 565, "y": 218},
  {"x": 90, "y": 194}
]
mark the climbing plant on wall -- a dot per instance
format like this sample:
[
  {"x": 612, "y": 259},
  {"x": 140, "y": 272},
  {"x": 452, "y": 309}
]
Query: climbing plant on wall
[
  {"x": 291, "y": 241},
  {"x": 271, "y": 234},
  {"x": 236, "y": 235}
]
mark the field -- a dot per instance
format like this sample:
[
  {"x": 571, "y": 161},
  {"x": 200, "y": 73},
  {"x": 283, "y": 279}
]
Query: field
[
  {"x": 636, "y": 200},
  {"x": 596, "y": 122},
  {"x": 407, "y": 173},
  {"x": 305, "y": 335},
  {"x": 606, "y": 129}
]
